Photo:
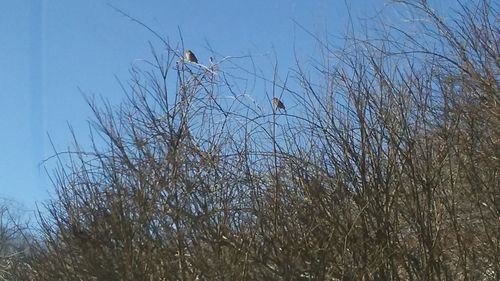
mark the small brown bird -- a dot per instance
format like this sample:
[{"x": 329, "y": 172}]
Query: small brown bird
[
  {"x": 278, "y": 104},
  {"x": 189, "y": 56}
]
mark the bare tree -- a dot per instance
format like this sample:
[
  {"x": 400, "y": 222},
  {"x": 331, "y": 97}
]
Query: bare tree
[
  {"x": 13, "y": 242},
  {"x": 385, "y": 166}
]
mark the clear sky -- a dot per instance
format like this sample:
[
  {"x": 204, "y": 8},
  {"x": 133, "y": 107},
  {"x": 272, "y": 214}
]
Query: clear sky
[{"x": 51, "y": 49}]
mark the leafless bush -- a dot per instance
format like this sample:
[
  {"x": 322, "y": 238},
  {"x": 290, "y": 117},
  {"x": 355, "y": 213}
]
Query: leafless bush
[
  {"x": 386, "y": 168},
  {"x": 13, "y": 243}
]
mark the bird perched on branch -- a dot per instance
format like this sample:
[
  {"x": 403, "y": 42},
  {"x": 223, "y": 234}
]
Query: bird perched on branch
[
  {"x": 189, "y": 56},
  {"x": 278, "y": 104}
]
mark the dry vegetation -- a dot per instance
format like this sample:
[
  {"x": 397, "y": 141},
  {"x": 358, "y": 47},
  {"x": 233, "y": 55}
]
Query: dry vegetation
[{"x": 386, "y": 167}]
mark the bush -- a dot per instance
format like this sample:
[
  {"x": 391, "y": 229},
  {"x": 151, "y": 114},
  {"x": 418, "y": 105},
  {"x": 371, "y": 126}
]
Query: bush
[{"x": 386, "y": 167}]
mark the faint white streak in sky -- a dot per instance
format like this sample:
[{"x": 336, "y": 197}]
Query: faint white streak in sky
[{"x": 35, "y": 78}]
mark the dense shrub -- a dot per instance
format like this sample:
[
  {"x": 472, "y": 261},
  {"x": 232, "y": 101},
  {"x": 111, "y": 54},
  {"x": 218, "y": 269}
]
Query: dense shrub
[{"x": 384, "y": 166}]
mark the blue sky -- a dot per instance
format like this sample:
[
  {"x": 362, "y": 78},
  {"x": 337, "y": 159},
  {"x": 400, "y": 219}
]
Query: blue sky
[{"x": 51, "y": 49}]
